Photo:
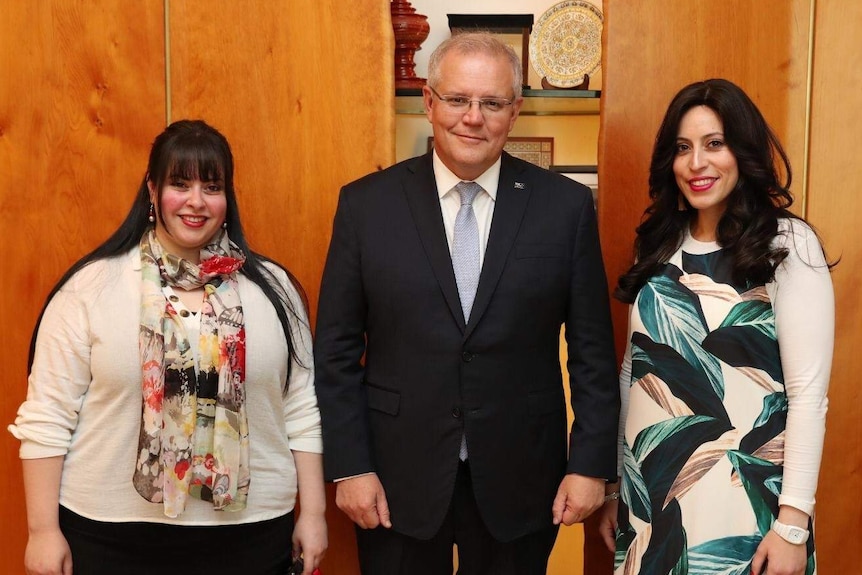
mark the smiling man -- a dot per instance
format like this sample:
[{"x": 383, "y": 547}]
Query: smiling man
[{"x": 448, "y": 279}]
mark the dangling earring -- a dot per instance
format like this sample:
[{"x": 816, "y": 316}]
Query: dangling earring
[
  {"x": 224, "y": 225},
  {"x": 152, "y": 216}
]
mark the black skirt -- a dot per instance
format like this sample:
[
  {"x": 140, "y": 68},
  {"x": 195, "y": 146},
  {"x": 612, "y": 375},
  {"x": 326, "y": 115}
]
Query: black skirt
[{"x": 140, "y": 548}]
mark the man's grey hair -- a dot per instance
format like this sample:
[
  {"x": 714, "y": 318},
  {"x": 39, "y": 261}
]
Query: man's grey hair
[{"x": 476, "y": 43}]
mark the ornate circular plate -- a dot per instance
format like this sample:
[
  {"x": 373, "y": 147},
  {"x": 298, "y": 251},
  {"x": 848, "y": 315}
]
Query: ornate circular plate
[{"x": 566, "y": 43}]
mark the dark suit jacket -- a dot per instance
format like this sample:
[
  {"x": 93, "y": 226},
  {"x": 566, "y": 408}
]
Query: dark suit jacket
[{"x": 389, "y": 292}]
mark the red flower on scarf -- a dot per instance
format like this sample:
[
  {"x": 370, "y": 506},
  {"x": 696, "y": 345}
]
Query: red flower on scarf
[
  {"x": 209, "y": 461},
  {"x": 153, "y": 388},
  {"x": 181, "y": 468},
  {"x": 220, "y": 265},
  {"x": 233, "y": 350}
]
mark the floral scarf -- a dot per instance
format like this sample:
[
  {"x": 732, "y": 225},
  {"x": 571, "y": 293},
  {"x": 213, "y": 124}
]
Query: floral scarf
[{"x": 194, "y": 429}]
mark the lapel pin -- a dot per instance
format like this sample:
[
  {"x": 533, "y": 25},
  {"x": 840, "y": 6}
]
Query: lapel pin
[{"x": 519, "y": 186}]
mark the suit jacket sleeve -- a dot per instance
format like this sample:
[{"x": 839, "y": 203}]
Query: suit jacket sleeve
[
  {"x": 338, "y": 351},
  {"x": 591, "y": 358}
]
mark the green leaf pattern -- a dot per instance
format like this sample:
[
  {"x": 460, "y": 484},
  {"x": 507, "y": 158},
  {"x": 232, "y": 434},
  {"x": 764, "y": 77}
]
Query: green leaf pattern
[
  {"x": 757, "y": 314},
  {"x": 726, "y": 556},
  {"x": 653, "y": 436},
  {"x": 633, "y": 488},
  {"x": 676, "y": 322},
  {"x": 671, "y": 310}
]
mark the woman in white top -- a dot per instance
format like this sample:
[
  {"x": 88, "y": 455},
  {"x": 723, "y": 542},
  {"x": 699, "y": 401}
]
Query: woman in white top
[
  {"x": 171, "y": 415},
  {"x": 728, "y": 358}
]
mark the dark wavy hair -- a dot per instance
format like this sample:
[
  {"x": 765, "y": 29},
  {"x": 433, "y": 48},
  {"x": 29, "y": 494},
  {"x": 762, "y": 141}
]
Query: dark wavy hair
[
  {"x": 750, "y": 222},
  {"x": 191, "y": 149}
]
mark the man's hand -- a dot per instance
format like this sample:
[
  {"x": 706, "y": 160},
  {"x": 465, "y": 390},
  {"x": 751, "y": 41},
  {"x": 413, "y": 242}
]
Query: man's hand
[
  {"x": 364, "y": 501},
  {"x": 577, "y": 497}
]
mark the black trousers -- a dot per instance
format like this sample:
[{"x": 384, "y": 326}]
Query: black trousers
[
  {"x": 101, "y": 548},
  {"x": 385, "y": 552}
]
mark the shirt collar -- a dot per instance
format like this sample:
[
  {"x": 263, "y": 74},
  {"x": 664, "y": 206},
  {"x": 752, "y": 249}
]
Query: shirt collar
[{"x": 446, "y": 180}]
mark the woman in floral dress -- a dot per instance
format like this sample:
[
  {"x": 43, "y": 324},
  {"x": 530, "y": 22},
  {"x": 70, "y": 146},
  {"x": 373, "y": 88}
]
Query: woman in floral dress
[{"x": 728, "y": 358}]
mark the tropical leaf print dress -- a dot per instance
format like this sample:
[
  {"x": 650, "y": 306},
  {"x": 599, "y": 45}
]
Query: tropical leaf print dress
[{"x": 704, "y": 432}]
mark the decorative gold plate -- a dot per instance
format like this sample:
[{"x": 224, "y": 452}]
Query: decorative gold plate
[{"x": 566, "y": 43}]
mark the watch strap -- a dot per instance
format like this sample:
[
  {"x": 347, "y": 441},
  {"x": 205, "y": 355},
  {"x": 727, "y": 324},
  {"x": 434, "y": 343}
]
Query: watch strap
[{"x": 790, "y": 533}]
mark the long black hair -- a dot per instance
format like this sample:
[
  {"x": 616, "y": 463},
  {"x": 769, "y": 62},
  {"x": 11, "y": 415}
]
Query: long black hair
[
  {"x": 191, "y": 149},
  {"x": 759, "y": 199}
]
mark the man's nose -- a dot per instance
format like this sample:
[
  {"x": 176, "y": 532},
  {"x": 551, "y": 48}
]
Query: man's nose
[{"x": 474, "y": 114}]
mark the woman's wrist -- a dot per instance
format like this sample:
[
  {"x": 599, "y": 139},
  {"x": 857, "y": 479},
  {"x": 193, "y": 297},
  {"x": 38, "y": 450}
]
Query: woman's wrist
[
  {"x": 310, "y": 511},
  {"x": 793, "y": 516},
  {"x": 612, "y": 491}
]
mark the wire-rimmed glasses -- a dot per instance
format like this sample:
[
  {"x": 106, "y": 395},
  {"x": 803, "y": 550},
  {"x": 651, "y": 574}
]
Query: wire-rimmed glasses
[{"x": 462, "y": 104}]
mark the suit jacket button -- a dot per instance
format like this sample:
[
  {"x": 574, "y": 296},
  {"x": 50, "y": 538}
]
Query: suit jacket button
[
  {"x": 456, "y": 412},
  {"x": 467, "y": 356}
]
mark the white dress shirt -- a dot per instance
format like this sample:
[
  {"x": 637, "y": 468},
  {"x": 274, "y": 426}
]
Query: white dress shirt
[{"x": 483, "y": 205}]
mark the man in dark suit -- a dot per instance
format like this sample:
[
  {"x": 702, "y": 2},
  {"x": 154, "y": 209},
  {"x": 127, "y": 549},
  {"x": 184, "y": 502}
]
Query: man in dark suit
[{"x": 437, "y": 357}]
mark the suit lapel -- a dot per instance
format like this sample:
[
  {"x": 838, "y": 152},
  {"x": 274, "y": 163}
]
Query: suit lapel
[
  {"x": 513, "y": 193},
  {"x": 424, "y": 202}
]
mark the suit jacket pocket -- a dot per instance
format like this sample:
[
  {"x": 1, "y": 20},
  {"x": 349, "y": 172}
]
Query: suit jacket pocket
[
  {"x": 540, "y": 251},
  {"x": 382, "y": 399}
]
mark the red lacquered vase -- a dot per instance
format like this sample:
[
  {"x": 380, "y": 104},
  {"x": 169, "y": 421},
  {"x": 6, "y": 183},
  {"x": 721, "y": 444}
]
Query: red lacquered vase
[{"x": 411, "y": 29}]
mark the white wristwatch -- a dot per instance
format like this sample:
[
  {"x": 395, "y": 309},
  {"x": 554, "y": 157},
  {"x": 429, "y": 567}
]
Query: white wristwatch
[{"x": 790, "y": 533}]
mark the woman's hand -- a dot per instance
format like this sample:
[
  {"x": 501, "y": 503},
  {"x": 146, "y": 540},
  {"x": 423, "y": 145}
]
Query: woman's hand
[
  {"x": 775, "y": 556},
  {"x": 47, "y": 553},
  {"x": 309, "y": 533},
  {"x": 310, "y": 540},
  {"x": 608, "y": 523},
  {"x": 47, "y": 550}
]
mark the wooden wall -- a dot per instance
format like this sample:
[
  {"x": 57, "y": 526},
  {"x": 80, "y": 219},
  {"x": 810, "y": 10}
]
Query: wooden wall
[
  {"x": 835, "y": 207},
  {"x": 81, "y": 95},
  {"x": 655, "y": 47},
  {"x": 302, "y": 89}
]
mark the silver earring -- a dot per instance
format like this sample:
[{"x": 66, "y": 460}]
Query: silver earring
[
  {"x": 224, "y": 224},
  {"x": 152, "y": 216}
]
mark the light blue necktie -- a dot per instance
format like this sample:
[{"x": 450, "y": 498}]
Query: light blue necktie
[
  {"x": 465, "y": 259},
  {"x": 465, "y": 247}
]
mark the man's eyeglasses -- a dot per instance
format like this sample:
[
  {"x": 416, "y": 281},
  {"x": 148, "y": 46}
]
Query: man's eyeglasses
[{"x": 462, "y": 103}]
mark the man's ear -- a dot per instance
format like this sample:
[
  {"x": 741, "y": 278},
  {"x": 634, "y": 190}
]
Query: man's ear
[{"x": 427, "y": 101}]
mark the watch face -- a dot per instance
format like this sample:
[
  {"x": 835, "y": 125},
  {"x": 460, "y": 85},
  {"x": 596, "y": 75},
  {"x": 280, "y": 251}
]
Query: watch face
[
  {"x": 791, "y": 533},
  {"x": 796, "y": 535}
]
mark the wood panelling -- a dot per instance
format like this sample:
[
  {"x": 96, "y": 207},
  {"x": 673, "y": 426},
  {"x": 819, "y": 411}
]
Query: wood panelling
[
  {"x": 835, "y": 207},
  {"x": 302, "y": 89},
  {"x": 652, "y": 48},
  {"x": 655, "y": 47},
  {"x": 305, "y": 95},
  {"x": 304, "y": 92},
  {"x": 81, "y": 97}
]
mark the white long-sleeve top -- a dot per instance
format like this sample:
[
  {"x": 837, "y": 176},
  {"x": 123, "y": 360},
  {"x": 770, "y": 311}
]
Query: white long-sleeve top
[
  {"x": 804, "y": 306},
  {"x": 84, "y": 398}
]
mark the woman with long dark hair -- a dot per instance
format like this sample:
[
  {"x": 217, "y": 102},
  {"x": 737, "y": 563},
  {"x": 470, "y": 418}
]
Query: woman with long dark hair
[
  {"x": 729, "y": 352},
  {"x": 171, "y": 415}
]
